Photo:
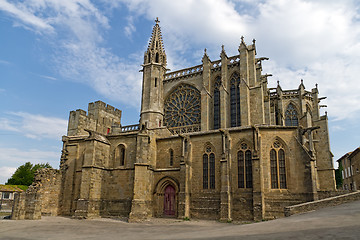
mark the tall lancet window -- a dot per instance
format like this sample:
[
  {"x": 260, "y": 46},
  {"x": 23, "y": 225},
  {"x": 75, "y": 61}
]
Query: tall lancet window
[
  {"x": 277, "y": 166},
  {"x": 291, "y": 116},
  {"x": 217, "y": 103},
  {"x": 209, "y": 169},
  {"x": 235, "y": 101}
]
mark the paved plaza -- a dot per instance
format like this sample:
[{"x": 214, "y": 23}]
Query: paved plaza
[{"x": 340, "y": 222}]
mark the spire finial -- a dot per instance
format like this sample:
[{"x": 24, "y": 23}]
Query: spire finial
[
  {"x": 316, "y": 85},
  {"x": 254, "y": 41},
  {"x": 302, "y": 81},
  {"x": 205, "y": 51},
  {"x": 278, "y": 82},
  {"x": 242, "y": 38},
  {"x": 222, "y": 47},
  {"x": 157, "y": 20}
]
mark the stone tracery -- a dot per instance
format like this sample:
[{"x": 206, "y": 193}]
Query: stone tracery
[{"x": 182, "y": 107}]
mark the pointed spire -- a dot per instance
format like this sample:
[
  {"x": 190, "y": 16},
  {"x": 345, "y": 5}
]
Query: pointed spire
[
  {"x": 302, "y": 86},
  {"x": 223, "y": 53},
  {"x": 156, "y": 42},
  {"x": 278, "y": 87},
  {"x": 205, "y": 57},
  {"x": 155, "y": 52},
  {"x": 242, "y": 43}
]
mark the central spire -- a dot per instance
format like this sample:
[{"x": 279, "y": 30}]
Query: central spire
[{"x": 155, "y": 52}]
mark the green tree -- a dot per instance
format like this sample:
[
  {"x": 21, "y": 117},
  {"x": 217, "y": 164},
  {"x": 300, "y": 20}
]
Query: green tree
[
  {"x": 338, "y": 176},
  {"x": 24, "y": 175}
]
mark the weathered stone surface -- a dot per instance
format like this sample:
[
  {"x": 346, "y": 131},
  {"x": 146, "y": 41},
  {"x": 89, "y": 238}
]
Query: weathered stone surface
[{"x": 260, "y": 151}]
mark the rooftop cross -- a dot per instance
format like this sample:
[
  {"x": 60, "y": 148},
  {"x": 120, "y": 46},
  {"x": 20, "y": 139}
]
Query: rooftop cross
[{"x": 157, "y": 20}]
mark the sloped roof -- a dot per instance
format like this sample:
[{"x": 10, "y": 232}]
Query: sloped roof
[{"x": 10, "y": 188}]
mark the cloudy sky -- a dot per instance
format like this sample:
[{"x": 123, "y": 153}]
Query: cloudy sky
[{"x": 59, "y": 55}]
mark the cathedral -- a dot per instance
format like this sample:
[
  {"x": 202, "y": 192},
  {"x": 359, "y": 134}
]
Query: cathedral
[{"x": 213, "y": 142}]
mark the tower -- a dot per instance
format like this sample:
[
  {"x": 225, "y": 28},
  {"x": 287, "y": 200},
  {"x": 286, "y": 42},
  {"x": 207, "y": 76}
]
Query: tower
[{"x": 154, "y": 68}]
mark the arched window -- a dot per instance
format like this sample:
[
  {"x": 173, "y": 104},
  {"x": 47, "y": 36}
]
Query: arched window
[
  {"x": 120, "y": 155},
  {"x": 212, "y": 170},
  {"x": 277, "y": 166},
  {"x": 171, "y": 152},
  {"x": 217, "y": 103},
  {"x": 235, "y": 101},
  {"x": 209, "y": 169},
  {"x": 291, "y": 116},
  {"x": 205, "y": 171},
  {"x": 244, "y": 167}
]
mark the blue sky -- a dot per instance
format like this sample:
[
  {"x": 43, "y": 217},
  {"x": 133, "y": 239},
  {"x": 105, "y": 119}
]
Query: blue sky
[{"x": 59, "y": 55}]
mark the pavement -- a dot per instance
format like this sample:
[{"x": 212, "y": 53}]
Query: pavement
[{"x": 339, "y": 222}]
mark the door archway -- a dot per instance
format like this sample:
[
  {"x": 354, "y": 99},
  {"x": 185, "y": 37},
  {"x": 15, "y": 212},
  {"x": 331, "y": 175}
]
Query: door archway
[
  {"x": 165, "y": 198},
  {"x": 169, "y": 201}
]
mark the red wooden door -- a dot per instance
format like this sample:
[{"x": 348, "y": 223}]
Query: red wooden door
[{"x": 169, "y": 201}]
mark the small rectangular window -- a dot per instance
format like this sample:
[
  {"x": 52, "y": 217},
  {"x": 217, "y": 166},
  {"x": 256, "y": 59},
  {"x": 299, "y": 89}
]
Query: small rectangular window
[
  {"x": 155, "y": 82},
  {"x": 6, "y": 195}
]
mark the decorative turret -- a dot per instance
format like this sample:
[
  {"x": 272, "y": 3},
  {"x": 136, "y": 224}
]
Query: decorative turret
[{"x": 154, "y": 68}]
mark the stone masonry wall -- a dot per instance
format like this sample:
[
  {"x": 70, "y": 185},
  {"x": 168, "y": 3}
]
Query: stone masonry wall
[{"x": 41, "y": 198}]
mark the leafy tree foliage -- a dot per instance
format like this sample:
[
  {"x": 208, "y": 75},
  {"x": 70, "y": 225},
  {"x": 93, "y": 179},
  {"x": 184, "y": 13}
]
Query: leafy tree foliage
[
  {"x": 338, "y": 176},
  {"x": 24, "y": 175}
]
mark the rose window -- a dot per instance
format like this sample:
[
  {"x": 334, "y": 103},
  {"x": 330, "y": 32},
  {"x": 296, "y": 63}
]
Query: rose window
[{"x": 182, "y": 107}]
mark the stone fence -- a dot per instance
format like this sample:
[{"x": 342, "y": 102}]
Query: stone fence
[{"x": 327, "y": 202}]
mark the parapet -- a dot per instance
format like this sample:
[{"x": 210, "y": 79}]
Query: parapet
[
  {"x": 99, "y": 105},
  {"x": 100, "y": 118}
]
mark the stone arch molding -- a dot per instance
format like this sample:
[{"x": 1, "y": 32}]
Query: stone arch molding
[
  {"x": 243, "y": 140},
  {"x": 164, "y": 182},
  {"x": 207, "y": 145}
]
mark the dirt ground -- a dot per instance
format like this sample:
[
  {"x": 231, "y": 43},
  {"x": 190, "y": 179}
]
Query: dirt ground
[{"x": 340, "y": 222}]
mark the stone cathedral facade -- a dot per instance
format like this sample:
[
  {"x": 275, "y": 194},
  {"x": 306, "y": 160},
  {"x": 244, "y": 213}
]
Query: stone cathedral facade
[{"x": 213, "y": 142}]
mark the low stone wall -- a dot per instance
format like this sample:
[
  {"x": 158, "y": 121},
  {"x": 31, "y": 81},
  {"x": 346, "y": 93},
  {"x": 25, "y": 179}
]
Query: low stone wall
[{"x": 327, "y": 202}]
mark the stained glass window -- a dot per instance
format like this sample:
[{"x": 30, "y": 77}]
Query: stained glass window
[
  {"x": 235, "y": 101},
  {"x": 291, "y": 116},
  {"x": 217, "y": 103},
  {"x": 241, "y": 176},
  {"x": 212, "y": 171},
  {"x": 182, "y": 107},
  {"x": 208, "y": 169},
  {"x": 277, "y": 166},
  {"x": 205, "y": 171},
  {"x": 244, "y": 167}
]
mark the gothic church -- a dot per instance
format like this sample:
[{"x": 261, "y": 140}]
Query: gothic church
[{"x": 213, "y": 142}]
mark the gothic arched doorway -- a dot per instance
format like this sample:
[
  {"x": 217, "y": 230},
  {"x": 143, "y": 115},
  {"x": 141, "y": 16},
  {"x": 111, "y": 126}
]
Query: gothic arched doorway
[
  {"x": 169, "y": 201},
  {"x": 165, "y": 198}
]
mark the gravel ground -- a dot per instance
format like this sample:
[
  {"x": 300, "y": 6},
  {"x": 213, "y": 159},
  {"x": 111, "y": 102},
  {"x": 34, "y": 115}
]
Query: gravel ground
[{"x": 340, "y": 222}]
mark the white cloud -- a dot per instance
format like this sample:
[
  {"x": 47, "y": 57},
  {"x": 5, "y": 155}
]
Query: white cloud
[
  {"x": 80, "y": 26},
  {"x": 25, "y": 15},
  {"x": 4, "y": 62},
  {"x": 317, "y": 40},
  {"x": 11, "y": 158},
  {"x": 6, "y": 173},
  {"x": 34, "y": 126}
]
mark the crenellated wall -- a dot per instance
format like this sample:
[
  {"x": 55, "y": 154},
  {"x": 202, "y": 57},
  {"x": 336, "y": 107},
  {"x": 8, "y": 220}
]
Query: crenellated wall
[{"x": 101, "y": 117}]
